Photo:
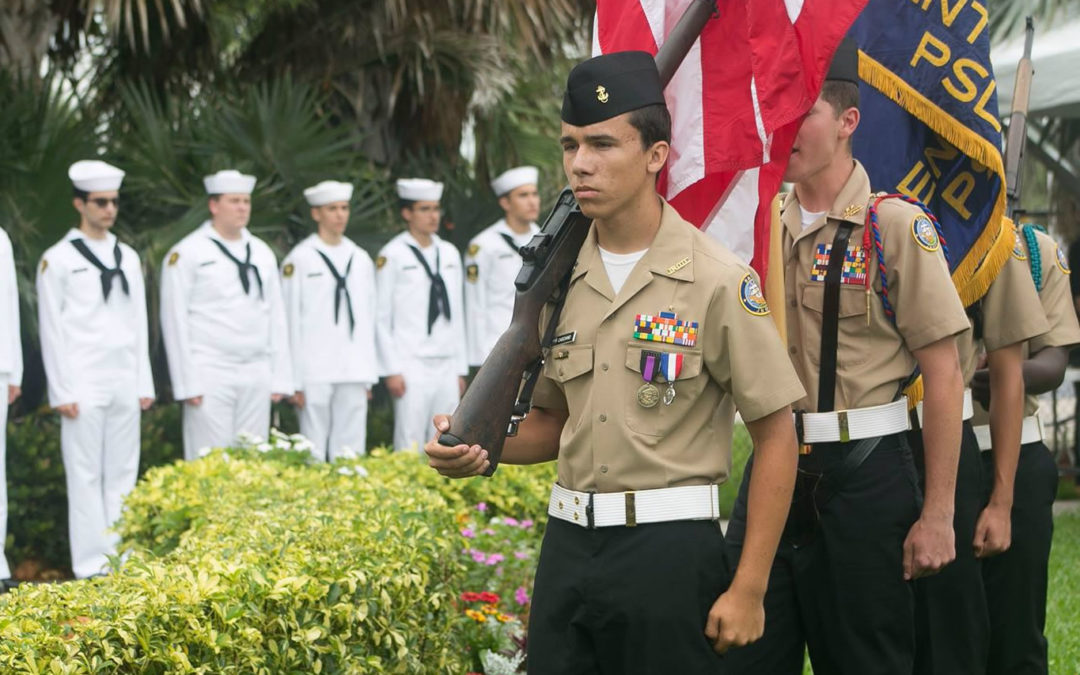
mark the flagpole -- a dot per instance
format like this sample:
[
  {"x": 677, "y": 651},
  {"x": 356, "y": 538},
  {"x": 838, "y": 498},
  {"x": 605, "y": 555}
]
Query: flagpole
[{"x": 682, "y": 37}]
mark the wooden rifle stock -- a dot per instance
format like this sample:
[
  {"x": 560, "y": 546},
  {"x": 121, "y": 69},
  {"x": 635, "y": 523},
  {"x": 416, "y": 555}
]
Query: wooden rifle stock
[
  {"x": 483, "y": 417},
  {"x": 1017, "y": 136}
]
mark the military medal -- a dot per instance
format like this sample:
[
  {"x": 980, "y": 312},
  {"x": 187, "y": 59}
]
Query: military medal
[
  {"x": 670, "y": 366},
  {"x": 647, "y": 394}
]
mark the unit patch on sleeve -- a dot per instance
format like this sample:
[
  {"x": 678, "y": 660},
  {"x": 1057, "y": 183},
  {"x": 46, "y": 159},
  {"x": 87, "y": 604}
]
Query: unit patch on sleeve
[
  {"x": 1018, "y": 246},
  {"x": 380, "y": 262},
  {"x": 288, "y": 270},
  {"x": 473, "y": 250},
  {"x": 1062, "y": 260},
  {"x": 753, "y": 300},
  {"x": 853, "y": 270},
  {"x": 173, "y": 258},
  {"x": 472, "y": 273},
  {"x": 924, "y": 234}
]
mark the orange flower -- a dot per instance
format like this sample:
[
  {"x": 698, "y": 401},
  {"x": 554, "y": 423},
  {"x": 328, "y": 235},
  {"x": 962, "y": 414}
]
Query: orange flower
[
  {"x": 476, "y": 616},
  {"x": 503, "y": 618}
]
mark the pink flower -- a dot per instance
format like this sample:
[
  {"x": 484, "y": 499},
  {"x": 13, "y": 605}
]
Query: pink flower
[
  {"x": 481, "y": 507},
  {"x": 521, "y": 596},
  {"x": 468, "y": 533},
  {"x": 521, "y": 555},
  {"x": 489, "y": 532},
  {"x": 478, "y": 556},
  {"x": 494, "y": 559},
  {"x": 512, "y": 522},
  {"x": 526, "y": 524}
]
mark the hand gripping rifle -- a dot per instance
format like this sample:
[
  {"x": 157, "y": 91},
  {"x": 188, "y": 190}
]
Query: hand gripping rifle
[
  {"x": 500, "y": 395},
  {"x": 1017, "y": 136}
]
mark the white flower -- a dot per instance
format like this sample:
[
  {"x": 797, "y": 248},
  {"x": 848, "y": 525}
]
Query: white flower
[
  {"x": 203, "y": 452},
  {"x": 497, "y": 664},
  {"x": 345, "y": 470},
  {"x": 361, "y": 471},
  {"x": 264, "y": 447}
]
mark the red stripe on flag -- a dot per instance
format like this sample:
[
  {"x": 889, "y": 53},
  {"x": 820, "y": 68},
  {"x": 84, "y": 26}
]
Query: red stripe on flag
[{"x": 621, "y": 25}]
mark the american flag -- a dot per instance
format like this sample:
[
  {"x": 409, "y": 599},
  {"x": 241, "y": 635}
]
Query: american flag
[{"x": 736, "y": 102}]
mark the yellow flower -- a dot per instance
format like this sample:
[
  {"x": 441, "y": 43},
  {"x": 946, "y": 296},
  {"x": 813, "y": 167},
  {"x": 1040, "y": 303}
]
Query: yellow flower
[
  {"x": 503, "y": 618},
  {"x": 476, "y": 616},
  {"x": 490, "y": 609}
]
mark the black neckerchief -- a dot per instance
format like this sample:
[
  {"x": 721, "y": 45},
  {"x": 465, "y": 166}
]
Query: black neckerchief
[
  {"x": 107, "y": 275},
  {"x": 510, "y": 242},
  {"x": 341, "y": 290},
  {"x": 439, "y": 299},
  {"x": 243, "y": 266}
]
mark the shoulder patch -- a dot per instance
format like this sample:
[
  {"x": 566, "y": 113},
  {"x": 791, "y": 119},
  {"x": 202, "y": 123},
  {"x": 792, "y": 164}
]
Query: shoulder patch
[
  {"x": 288, "y": 270},
  {"x": 380, "y": 262},
  {"x": 473, "y": 249},
  {"x": 1018, "y": 246},
  {"x": 44, "y": 264},
  {"x": 173, "y": 257},
  {"x": 753, "y": 300},
  {"x": 1062, "y": 260},
  {"x": 924, "y": 234},
  {"x": 472, "y": 273}
]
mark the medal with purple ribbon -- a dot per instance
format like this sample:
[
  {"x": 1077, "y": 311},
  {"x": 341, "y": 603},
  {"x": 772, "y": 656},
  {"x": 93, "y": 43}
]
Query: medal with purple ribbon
[
  {"x": 647, "y": 394},
  {"x": 670, "y": 367}
]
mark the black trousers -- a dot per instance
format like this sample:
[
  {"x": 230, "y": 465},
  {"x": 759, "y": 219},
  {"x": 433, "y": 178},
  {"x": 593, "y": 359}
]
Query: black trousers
[
  {"x": 1016, "y": 581},
  {"x": 952, "y": 622},
  {"x": 626, "y": 600},
  {"x": 837, "y": 587}
]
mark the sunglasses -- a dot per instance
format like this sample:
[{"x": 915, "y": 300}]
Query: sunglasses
[{"x": 102, "y": 202}]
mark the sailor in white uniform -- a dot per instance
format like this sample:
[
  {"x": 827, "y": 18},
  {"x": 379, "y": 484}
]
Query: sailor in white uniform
[
  {"x": 223, "y": 321},
  {"x": 329, "y": 288},
  {"x": 11, "y": 368},
  {"x": 492, "y": 261},
  {"x": 93, "y": 326},
  {"x": 420, "y": 325}
]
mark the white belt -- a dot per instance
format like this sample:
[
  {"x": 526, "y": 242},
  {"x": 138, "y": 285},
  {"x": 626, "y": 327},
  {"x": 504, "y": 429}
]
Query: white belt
[
  {"x": 969, "y": 408},
  {"x": 1030, "y": 432},
  {"x": 842, "y": 426},
  {"x": 609, "y": 509}
]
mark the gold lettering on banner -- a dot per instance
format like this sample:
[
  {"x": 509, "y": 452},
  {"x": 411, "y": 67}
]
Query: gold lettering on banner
[
  {"x": 958, "y": 191},
  {"x": 922, "y": 51},
  {"x": 917, "y": 184}
]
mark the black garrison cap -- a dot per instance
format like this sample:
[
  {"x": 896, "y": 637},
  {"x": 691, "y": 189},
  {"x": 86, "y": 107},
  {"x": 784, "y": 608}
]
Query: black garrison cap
[
  {"x": 845, "y": 62},
  {"x": 609, "y": 85}
]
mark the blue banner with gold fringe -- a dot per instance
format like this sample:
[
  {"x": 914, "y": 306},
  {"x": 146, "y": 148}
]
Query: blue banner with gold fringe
[{"x": 930, "y": 126}]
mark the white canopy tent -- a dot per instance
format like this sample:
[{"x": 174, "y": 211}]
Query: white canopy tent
[{"x": 1055, "y": 55}]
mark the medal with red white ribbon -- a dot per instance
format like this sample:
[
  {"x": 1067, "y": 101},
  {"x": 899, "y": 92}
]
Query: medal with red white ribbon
[{"x": 670, "y": 367}]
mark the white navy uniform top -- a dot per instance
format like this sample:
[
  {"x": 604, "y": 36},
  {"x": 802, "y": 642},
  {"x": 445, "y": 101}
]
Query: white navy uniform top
[
  {"x": 401, "y": 305},
  {"x": 209, "y": 321},
  {"x": 492, "y": 264},
  {"x": 326, "y": 349},
  {"x": 11, "y": 360},
  {"x": 88, "y": 343}
]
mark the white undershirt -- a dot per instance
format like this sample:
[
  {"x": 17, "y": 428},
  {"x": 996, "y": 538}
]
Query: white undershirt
[
  {"x": 809, "y": 217},
  {"x": 619, "y": 265}
]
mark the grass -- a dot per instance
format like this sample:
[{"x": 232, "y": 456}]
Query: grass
[{"x": 1063, "y": 604}]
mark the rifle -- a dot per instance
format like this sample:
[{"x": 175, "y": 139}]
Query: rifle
[
  {"x": 488, "y": 412},
  {"x": 1017, "y": 136}
]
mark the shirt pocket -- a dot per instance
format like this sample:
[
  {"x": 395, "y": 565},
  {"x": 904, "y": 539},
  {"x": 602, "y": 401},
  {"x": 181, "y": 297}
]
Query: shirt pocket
[
  {"x": 853, "y": 333},
  {"x": 570, "y": 367},
  {"x": 661, "y": 418}
]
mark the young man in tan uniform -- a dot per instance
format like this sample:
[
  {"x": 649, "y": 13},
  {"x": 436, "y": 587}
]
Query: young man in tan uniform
[
  {"x": 856, "y": 534},
  {"x": 638, "y": 409},
  {"x": 952, "y": 622},
  {"x": 1016, "y": 580}
]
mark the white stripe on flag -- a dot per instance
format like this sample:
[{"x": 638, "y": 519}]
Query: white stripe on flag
[
  {"x": 794, "y": 8},
  {"x": 654, "y": 14},
  {"x": 686, "y": 165},
  {"x": 733, "y": 224},
  {"x": 759, "y": 122}
]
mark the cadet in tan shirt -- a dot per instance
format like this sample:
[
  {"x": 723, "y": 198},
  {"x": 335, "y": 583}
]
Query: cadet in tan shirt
[
  {"x": 856, "y": 534},
  {"x": 663, "y": 335},
  {"x": 1016, "y": 580},
  {"x": 952, "y": 622}
]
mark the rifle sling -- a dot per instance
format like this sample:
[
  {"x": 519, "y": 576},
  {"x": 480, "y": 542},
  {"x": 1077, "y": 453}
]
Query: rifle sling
[
  {"x": 532, "y": 373},
  {"x": 830, "y": 318}
]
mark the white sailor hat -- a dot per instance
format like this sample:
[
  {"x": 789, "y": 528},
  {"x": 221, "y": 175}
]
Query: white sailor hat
[
  {"x": 92, "y": 175},
  {"x": 229, "y": 182},
  {"x": 328, "y": 192},
  {"x": 515, "y": 178},
  {"x": 419, "y": 189}
]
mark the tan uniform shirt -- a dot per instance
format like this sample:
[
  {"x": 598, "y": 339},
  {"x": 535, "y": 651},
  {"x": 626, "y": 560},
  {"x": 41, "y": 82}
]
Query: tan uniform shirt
[
  {"x": 1055, "y": 299},
  {"x": 610, "y": 442},
  {"x": 1011, "y": 314},
  {"x": 874, "y": 356}
]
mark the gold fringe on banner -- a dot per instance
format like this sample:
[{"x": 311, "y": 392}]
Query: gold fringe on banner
[{"x": 974, "y": 274}]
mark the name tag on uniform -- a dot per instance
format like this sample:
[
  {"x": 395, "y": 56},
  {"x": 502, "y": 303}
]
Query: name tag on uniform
[
  {"x": 207, "y": 263},
  {"x": 410, "y": 267},
  {"x": 564, "y": 339},
  {"x": 508, "y": 255},
  {"x": 81, "y": 269},
  {"x": 315, "y": 274}
]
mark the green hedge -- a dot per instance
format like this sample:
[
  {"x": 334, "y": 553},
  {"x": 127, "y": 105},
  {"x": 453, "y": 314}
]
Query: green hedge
[{"x": 256, "y": 562}]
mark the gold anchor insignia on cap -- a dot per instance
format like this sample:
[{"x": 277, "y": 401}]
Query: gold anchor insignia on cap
[
  {"x": 852, "y": 209},
  {"x": 601, "y": 94}
]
